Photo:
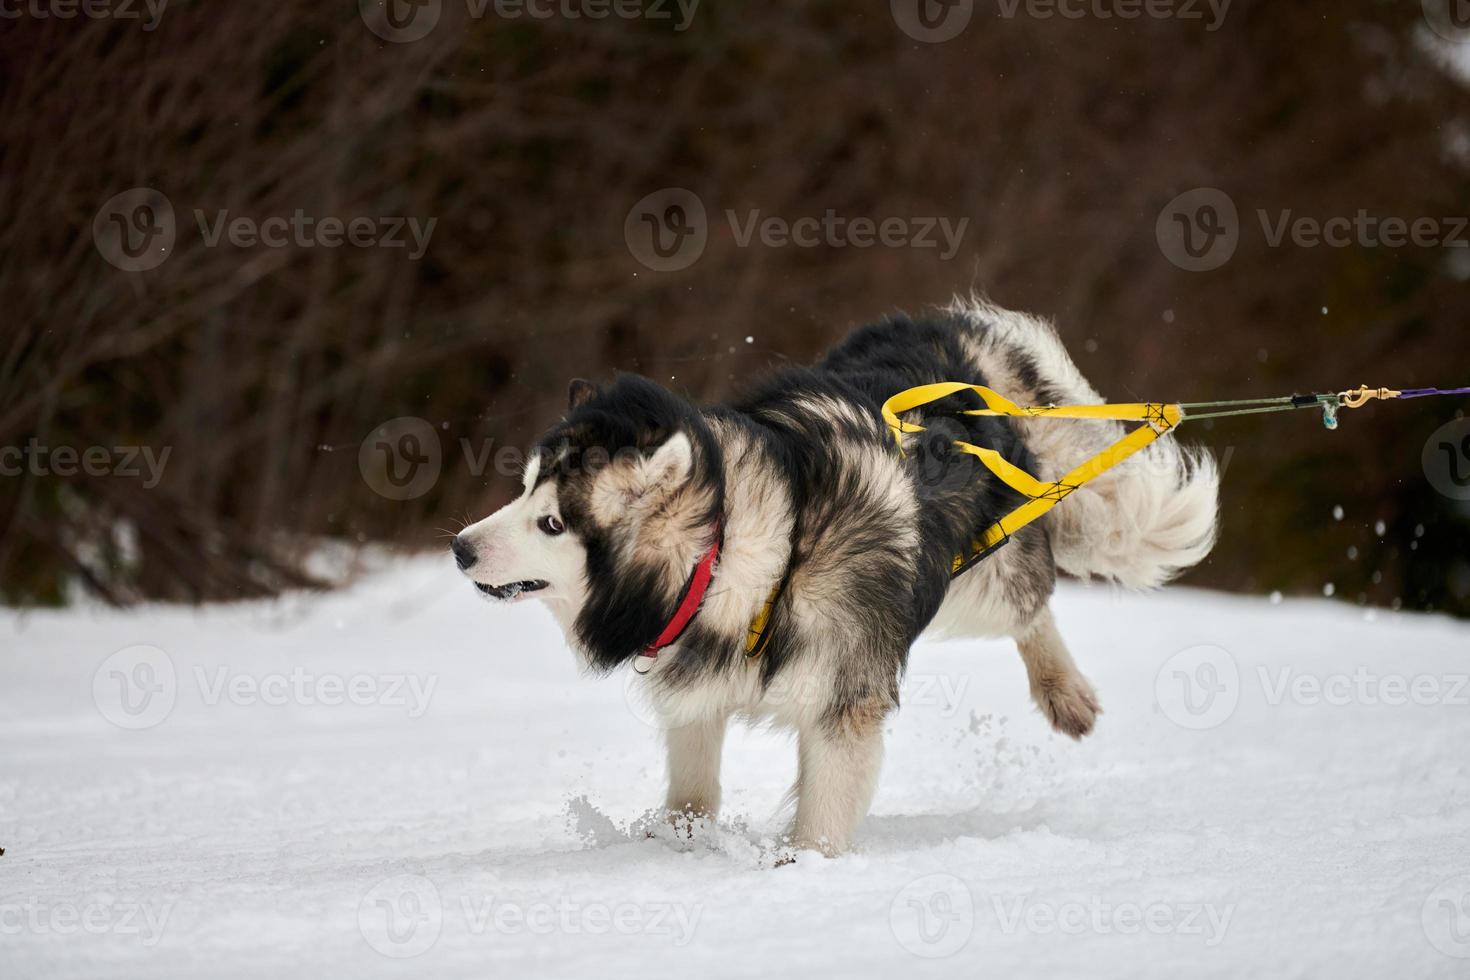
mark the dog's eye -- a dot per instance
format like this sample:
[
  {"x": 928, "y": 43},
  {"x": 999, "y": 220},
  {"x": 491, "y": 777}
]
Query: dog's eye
[{"x": 551, "y": 525}]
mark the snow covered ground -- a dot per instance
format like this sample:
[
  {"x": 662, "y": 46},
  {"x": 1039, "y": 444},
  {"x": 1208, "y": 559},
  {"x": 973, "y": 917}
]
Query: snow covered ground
[{"x": 398, "y": 779}]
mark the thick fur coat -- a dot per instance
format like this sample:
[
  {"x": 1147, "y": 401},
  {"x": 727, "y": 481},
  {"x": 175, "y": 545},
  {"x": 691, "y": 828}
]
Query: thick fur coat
[{"x": 800, "y": 481}]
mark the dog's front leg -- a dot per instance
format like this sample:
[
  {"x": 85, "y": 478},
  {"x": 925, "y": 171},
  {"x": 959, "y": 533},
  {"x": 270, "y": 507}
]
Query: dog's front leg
[
  {"x": 694, "y": 769},
  {"x": 837, "y": 773}
]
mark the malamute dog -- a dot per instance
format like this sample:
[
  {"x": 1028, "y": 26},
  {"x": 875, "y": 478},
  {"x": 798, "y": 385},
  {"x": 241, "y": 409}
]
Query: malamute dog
[{"x": 775, "y": 557}]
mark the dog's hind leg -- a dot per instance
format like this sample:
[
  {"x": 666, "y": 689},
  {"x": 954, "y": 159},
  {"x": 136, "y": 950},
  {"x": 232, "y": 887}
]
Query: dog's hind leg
[
  {"x": 694, "y": 768},
  {"x": 1057, "y": 686},
  {"x": 837, "y": 773}
]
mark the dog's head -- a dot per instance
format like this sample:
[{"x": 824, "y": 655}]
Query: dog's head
[{"x": 617, "y": 503}]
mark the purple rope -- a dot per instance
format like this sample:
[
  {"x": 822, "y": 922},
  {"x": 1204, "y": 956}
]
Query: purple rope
[{"x": 1421, "y": 392}]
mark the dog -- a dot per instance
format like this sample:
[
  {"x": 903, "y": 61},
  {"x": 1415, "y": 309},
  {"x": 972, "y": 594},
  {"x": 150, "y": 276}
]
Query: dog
[{"x": 774, "y": 558}]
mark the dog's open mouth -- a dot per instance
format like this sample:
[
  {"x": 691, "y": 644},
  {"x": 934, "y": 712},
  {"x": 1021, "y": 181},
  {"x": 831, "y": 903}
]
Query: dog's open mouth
[{"x": 512, "y": 589}]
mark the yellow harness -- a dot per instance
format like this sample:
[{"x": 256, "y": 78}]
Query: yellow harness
[{"x": 1157, "y": 420}]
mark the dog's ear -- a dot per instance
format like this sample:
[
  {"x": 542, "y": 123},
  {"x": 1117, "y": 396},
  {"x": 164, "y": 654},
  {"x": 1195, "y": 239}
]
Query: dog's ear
[
  {"x": 635, "y": 482},
  {"x": 670, "y": 463},
  {"x": 579, "y": 393}
]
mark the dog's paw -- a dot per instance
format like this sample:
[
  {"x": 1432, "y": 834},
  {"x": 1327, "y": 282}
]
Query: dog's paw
[{"x": 1070, "y": 704}]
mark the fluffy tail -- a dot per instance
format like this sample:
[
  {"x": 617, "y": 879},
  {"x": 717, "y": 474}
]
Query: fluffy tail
[{"x": 1139, "y": 524}]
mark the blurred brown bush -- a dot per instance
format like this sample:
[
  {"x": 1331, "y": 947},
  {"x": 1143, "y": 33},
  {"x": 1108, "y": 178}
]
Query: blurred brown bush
[{"x": 262, "y": 370}]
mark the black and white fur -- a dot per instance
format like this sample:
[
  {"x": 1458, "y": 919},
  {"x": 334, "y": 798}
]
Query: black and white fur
[{"x": 625, "y": 494}]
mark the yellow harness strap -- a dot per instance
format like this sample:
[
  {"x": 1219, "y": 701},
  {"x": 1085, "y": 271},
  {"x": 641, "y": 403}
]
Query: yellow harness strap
[
  {"x": 1158, "y": 419},
  {"x": 757, "y": 638}
]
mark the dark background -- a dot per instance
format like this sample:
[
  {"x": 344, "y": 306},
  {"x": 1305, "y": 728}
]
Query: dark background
[{"x": 263, "y": 370}]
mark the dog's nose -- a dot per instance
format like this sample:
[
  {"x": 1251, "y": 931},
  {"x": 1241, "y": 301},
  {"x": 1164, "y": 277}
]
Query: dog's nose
[{"x": 464, "y": 552}]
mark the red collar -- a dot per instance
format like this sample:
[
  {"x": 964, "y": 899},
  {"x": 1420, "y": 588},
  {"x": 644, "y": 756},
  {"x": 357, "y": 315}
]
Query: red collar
[{"x": 688, "y": 606}]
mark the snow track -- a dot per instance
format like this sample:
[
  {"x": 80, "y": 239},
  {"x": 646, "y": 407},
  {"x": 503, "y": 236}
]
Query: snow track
[{"x": 400, "y": 779}]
